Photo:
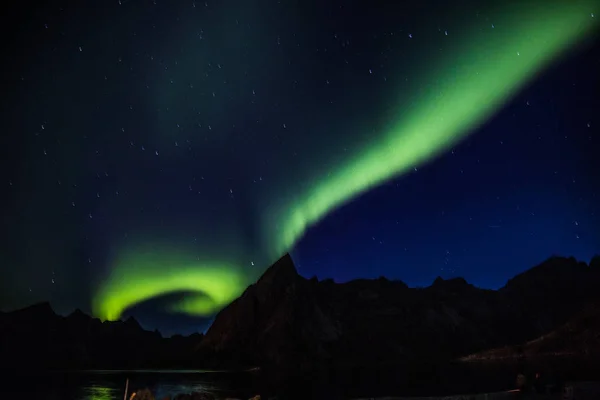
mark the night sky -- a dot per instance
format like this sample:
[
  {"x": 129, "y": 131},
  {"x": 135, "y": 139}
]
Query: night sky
[{"x": 157, "y": 156}]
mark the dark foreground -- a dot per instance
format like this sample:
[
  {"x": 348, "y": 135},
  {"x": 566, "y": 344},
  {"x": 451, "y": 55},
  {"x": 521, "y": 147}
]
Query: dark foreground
[
  {"x": 418, "y": 380},
  {"x": 109, "y": 385}
]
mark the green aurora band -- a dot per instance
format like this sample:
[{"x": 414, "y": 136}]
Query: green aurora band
[
  {"x": 140, "y": 275},
  {"x": 454, "y": 94},
  {"x": 467, "y": 88}
]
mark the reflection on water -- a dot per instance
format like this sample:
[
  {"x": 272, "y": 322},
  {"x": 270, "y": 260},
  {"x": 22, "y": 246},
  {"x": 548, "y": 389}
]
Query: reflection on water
[
  {"x": 95, "y": 392},
  {"x": 413, "y": 380},
  {"x": 110, "y": 385}
]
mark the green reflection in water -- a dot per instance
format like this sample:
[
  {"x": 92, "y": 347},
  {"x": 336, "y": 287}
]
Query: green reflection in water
[{"x": 100, "y": 393}]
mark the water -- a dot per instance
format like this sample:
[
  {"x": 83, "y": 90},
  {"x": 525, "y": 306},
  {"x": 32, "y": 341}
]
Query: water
[
  {"x": 416, "y": 380},
  {"x": 109, "y": 385}
]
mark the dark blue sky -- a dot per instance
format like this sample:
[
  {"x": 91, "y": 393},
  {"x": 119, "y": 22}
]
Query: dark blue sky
[
  {"x": 525, "y": 186},
  {"x": 151, "y": 122}
]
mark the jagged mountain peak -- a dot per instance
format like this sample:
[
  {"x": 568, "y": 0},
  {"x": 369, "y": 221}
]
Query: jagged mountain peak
[
  {"x": 285, "y": 319},
  {"x": 80, "y": 341},
  {"x": 132, "y": 322},
  {"x": 557, "y": 272},
  {"x": 282, "y": 272},
  {"x": 451, "y": 282},
  {"x": 37, "y": 310},
  {"x": 77, "y": 313}
]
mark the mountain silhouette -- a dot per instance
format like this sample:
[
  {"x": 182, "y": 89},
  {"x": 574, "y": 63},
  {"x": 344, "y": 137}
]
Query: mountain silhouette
[
  {"x": 287, "y": 322},
  {"x": 36, "y": 337}
]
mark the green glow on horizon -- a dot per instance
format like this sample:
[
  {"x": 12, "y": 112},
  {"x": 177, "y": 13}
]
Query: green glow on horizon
[
  {"x": 464, "y": 89},
  {"x": 141, "y": 276}
]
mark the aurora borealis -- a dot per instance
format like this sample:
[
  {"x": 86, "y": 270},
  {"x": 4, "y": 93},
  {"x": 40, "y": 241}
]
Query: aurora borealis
[
  {"x": 218, "y": 285},
  {"x": 168, "y": 153},
  {"x": 468, "y": 86}
]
